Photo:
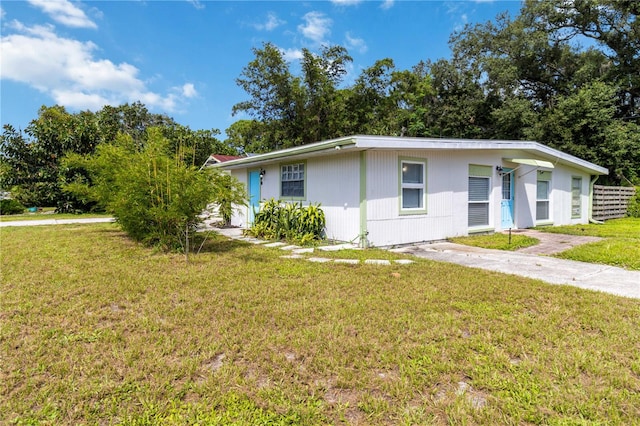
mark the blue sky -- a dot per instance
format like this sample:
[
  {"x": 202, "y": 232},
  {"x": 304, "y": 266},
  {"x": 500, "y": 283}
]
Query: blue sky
[{"x": 182, "y": 58}]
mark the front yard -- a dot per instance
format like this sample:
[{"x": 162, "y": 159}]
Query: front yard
[
  {"x": 95, "y": 329},
  {"x": 620, "y": 247}
]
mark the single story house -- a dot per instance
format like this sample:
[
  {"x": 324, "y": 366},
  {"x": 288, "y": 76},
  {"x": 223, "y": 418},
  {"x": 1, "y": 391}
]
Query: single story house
[{"x": 385, "y": 191}]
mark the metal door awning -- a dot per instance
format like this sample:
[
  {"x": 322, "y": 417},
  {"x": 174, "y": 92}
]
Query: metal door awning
[{"x": 530, "y": 162}]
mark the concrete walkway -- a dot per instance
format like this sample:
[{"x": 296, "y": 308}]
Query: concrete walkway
[
  {"x": 591, "y": 276},
  {"x": 553, "y": 243},
  {"x": 42, "y": 222}
]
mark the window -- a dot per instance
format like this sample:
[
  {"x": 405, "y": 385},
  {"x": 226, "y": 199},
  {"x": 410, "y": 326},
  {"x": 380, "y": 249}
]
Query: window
[
  {"x": 412, "y": 186},
  {"x": 576, "y": 192},
  {"x": 542, "y": 195},
  {"x": 292, "y": 180},
  {"x": 479, "y": 190}
]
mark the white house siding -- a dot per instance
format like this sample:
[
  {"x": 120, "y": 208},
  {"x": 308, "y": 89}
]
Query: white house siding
[
  {"x": 239, "y": 216},
  {"x": 332, "y": 181},
  {"x": 447, "y": 180},
  {"x": 335, "y": 182},
  {"x": 559, "y": 198}
]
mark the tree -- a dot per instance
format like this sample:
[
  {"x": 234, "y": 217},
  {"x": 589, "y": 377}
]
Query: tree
[
  {"x": 30, "y": 160},
  {"x": 412, "y": 95},
  {"x": 583, "y": 124},
  {"x": 247, "y": 136},
  {"x": 293, "y": 110},
  {"x": 537, "y": 81},
  {"x": 612, "y": 24},
  {"x": 154, "y": 196}
]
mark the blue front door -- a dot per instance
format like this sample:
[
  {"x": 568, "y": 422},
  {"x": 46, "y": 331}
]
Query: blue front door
[
  {"x": 254, "y": 195},
  {"x": 506, "y": 205}
]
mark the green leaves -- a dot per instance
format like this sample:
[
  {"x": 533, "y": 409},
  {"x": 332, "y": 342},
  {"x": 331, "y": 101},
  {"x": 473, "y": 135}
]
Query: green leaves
[
  {"x": 154, "y": 196},
  {"x": 290, "y": 221}
]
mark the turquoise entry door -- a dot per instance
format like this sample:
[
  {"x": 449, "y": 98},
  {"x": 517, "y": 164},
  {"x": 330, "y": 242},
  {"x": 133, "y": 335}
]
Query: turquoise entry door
[
  {"x": 506, "y": 205},
  {"x": 254, "y": 195}
]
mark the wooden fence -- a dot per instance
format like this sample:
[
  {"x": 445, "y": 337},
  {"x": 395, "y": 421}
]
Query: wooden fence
[{"x": 610, "y": 202}]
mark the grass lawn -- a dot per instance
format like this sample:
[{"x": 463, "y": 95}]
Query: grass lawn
[
  {"x": 95, "y": 329},
  {"x": 48, "y": 214},
  {"x": 620, "y": 247},
  {"x": 497, "y": 241}
]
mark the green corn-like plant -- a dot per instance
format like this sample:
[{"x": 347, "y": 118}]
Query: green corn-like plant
[{"x": 291, "y": 221}]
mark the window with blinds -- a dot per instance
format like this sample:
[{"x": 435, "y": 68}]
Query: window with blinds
[
  {"x": 576, "y": 191},
  {"x": 479, "y": 191}
]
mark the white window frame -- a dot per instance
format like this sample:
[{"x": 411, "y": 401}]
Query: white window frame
[
  {"x": 422, "y": 186},
  {"x": 486, "y": 201},
  {"x": 293, "y": 172},
  {"x": 543, "y": 177}
]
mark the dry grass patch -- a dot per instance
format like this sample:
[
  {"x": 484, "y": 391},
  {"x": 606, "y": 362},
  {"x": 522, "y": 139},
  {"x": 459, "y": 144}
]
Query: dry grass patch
[{"x": 97, "y": 330}]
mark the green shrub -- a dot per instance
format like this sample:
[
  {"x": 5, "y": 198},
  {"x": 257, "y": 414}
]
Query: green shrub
[
  {"x": 9, "y": 206},
  {"x": 633, "y": 208},
  {"x": 293, "y": 222},
  {"x": 153, "y": 195}
]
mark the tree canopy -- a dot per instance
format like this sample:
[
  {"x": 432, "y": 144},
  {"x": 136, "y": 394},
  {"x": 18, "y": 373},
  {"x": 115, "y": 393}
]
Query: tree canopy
[
  {"x": 30, "y": 159},
  {"x": 566, "y": 74}
]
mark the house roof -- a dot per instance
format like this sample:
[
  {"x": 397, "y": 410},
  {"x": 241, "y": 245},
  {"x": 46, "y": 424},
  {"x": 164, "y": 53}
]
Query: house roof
[
  {"x": 219, "y": 158},
  {"x": 338, "y": 146}
]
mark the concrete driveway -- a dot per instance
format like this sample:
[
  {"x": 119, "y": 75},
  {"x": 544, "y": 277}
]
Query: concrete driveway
[{"x": 609, "y": 279}]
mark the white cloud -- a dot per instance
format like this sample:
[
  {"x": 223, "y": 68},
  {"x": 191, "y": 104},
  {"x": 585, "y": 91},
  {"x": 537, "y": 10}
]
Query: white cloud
[
  {"x": 65, "y": 13},
  {"x": 197, "y": 4},
  {"x": 463, "y": 20},
  {"x": 355, "y": 43},
  {"x": 316, "y": 26},
  {"x": 346, "y": 2},
  {"x": 291, "y": 54},
  {"x": 68, "y": 71},
  {"x": 387, "y": 4},
  {"x": 270, "y": 24},
  {"x": 188, "y": 90}
]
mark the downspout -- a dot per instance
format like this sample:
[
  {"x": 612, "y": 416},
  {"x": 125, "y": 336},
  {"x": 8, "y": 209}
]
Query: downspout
[{"x": 591, "y": 219}]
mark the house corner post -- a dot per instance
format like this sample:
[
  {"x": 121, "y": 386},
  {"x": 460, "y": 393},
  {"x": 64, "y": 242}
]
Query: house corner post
[{"x": 364, "y": 242}]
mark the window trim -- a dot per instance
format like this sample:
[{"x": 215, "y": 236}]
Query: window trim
[
  {"x": 579, "y": 198},
  {"x": 480, "y": 172},
  {"x": 304, "y": 181},
  {"x": 402, "y": 211},
  {"x": 544, "y": 176}
]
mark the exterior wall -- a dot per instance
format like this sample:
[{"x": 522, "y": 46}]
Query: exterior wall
[
  {"x": 239, "y": 216},
  {"x": 334, "y": 181},
  {"x": 559, "y": 198}
]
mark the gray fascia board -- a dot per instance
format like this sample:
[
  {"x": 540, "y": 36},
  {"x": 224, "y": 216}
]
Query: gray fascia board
[
  {"x": 289, "y": 153},
  {"x": 379, "y": 142},
  {"x": 362, "y": 142}
]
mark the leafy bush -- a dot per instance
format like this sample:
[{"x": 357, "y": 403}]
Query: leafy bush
[
  {"x": 228, "y": 192},
  {"x": 633, "y": 208},
  {"x": 290, "y": 221},
  {"x": 9, "y": 206},
  {"x": 154, "y": 196}
]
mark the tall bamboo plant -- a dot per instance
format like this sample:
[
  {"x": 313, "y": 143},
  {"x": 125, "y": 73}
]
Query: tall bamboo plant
[{"x": 152, "y": 193}]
